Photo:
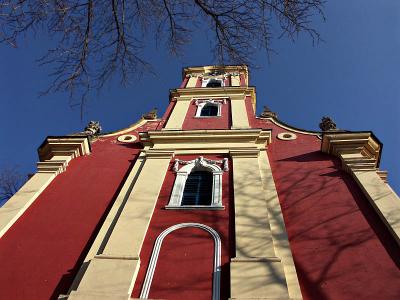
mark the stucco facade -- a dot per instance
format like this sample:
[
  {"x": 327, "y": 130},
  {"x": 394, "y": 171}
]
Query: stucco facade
[{"x": 294, "y": 214}]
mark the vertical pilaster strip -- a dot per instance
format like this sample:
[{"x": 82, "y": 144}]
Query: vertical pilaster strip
[
  {"x": 256, "y": 271},
  {"x": 382, "y": 198},
  {"x": 278, "y": 229},
  {"x": 191, "y": 82},
  {"x": 113, "y": 272},
  {"x": 178, "y": 114},
  {"x": 19, "y": 203},
  {"x": 240, "y": 119}
]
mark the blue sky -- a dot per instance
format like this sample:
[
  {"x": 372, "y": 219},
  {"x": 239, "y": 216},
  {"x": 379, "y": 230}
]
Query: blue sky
[{"x": 353, "y": 77}]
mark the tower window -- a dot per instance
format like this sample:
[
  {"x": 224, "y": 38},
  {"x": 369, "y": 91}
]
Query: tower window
[
  {"x": 198, "y": 188},
  {"x": 209, "y": 110},
  {"x": 198, "y": 185},
  {"x": 214, "y": 83}
]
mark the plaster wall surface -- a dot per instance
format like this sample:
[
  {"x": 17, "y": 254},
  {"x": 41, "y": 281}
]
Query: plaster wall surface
[
  {"x": 42, "y": 252},
  {"x": 222, "y": 122},
  {"x": 340, "y": 247}
]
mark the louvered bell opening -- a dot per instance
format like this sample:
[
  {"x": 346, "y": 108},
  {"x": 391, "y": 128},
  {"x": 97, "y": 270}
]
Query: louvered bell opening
[
  {"x": 198, "y": 189},
  {"x": 209, "y": 110},
  {"x": 214, "y": 83}
]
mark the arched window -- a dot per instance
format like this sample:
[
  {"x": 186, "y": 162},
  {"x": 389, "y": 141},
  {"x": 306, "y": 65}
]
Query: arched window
[
  {"x": 198, "y": 188},
  {"x": 209, "y": 110},
  {"x": 209, "y": 107},
  {"x": 198, "y": 185}
]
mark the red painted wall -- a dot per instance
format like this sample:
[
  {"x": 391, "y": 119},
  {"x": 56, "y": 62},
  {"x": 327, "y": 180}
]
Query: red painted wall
[
  {"x": 340, "y": 247},
  {"x": 186, "y": 258},
  {"x": 222, "y": 122},
  {"x": 44, "y": 249}
]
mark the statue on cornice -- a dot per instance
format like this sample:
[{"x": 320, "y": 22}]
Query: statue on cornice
[
  {"x": 93, "y": 128},
  {"x": 151, "y": 115},
  {"x": 267, "y": 113},
  {"x": 327, "y": 124}
]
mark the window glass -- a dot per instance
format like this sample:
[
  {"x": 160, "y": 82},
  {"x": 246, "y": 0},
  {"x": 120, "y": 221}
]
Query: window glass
[
  {"x": 209, "y": 110},
  {"x": 198, "y": 188}
]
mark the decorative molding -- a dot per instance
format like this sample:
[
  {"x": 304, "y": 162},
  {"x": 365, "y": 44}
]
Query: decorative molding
[
  {"x": 56, "y": 152},
  {"x": 201, "y": 103},
  {"x": 286, "y": 136},
  {"x": 207, "y": 139},
  {"x": 156, "y": 251},
  {"x": 199, "y": 163},
  {"x": 358, "y": 151},
  {"x": 127, "y": 138},
  {"x": 289, "y": 127}
]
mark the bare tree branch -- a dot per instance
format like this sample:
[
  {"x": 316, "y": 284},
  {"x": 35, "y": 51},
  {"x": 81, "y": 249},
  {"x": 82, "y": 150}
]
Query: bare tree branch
[
  {"x": 10, "y": 182},
  {"x": 98, "y": 40}
]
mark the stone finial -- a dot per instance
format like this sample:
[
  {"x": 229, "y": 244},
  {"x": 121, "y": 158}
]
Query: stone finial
[
  {"x": 267, "y": 113},
  {"x": 151, "y": 115},
  {"x": 327, "y": 124},
  {"x": 93, "y": 128}
]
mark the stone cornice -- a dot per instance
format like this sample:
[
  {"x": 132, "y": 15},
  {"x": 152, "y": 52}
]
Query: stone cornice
[
  {"x": 207, "y": 139},
  {"x": 205, "y": 69},
  {"x": 233, "y": 93},
  {"x": 56, "y": 152},
  {"x": 358, "y": 151}
]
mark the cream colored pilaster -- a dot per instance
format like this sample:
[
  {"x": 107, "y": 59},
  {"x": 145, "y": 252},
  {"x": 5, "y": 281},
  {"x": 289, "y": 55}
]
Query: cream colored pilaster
[
  {"x": 235, "y": 80},
  {"x": 256, "y": 271},
  {"x": 239, "y": 113},
  {"x": 55, "y": 154},
  {"x": 383, "y": 199},
  {"x": 192, "y": 82},
  {"x": 178, "y": 114},
  {"x": 113, "y": 271},
  {"x": 278, "y": 229},
  {"x": 359, "y": 153}
]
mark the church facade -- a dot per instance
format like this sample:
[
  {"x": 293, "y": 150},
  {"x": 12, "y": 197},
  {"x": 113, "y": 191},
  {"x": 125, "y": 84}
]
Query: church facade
[{"x": 209, "y": 201}]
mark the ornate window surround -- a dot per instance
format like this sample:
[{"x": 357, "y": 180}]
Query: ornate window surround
[
  {"x": 202, "y": 164},
  {"x": 201, "y": 103},
  {"x": 205, "y": 81},
  {"x": 156, "y": 251}
]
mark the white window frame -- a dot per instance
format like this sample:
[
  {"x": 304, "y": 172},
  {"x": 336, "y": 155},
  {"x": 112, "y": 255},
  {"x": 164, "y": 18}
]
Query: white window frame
[
  {"x": 201, "y": 103},
  {"x": 198, "y": 164},
  {"x": 144, "y": 294},
  {"x": 204, "y": 81}
]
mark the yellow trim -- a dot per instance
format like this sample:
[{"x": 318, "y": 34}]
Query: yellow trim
[
  {"x": 134, "y": 126},
  {"x": 303, "y": 131}
]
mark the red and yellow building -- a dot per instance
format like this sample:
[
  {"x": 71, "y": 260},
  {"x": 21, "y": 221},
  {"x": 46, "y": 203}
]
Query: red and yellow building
[{"x": 207, "y": 202}]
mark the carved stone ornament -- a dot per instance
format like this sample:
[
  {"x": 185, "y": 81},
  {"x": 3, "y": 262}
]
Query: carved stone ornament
[
  {"x": 327, "y": 124},
  {"x": 151, "y": 115},
  {"x": 200, "y": 162},
  {"x": 267, "y": 113},
  {"x": 213, "y": 74},
  {"x": 93, "y": 128},
  {"x": 211, "y": 101}
]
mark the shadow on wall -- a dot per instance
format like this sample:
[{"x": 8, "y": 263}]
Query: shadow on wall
[{"x": 339, "y": 244}]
